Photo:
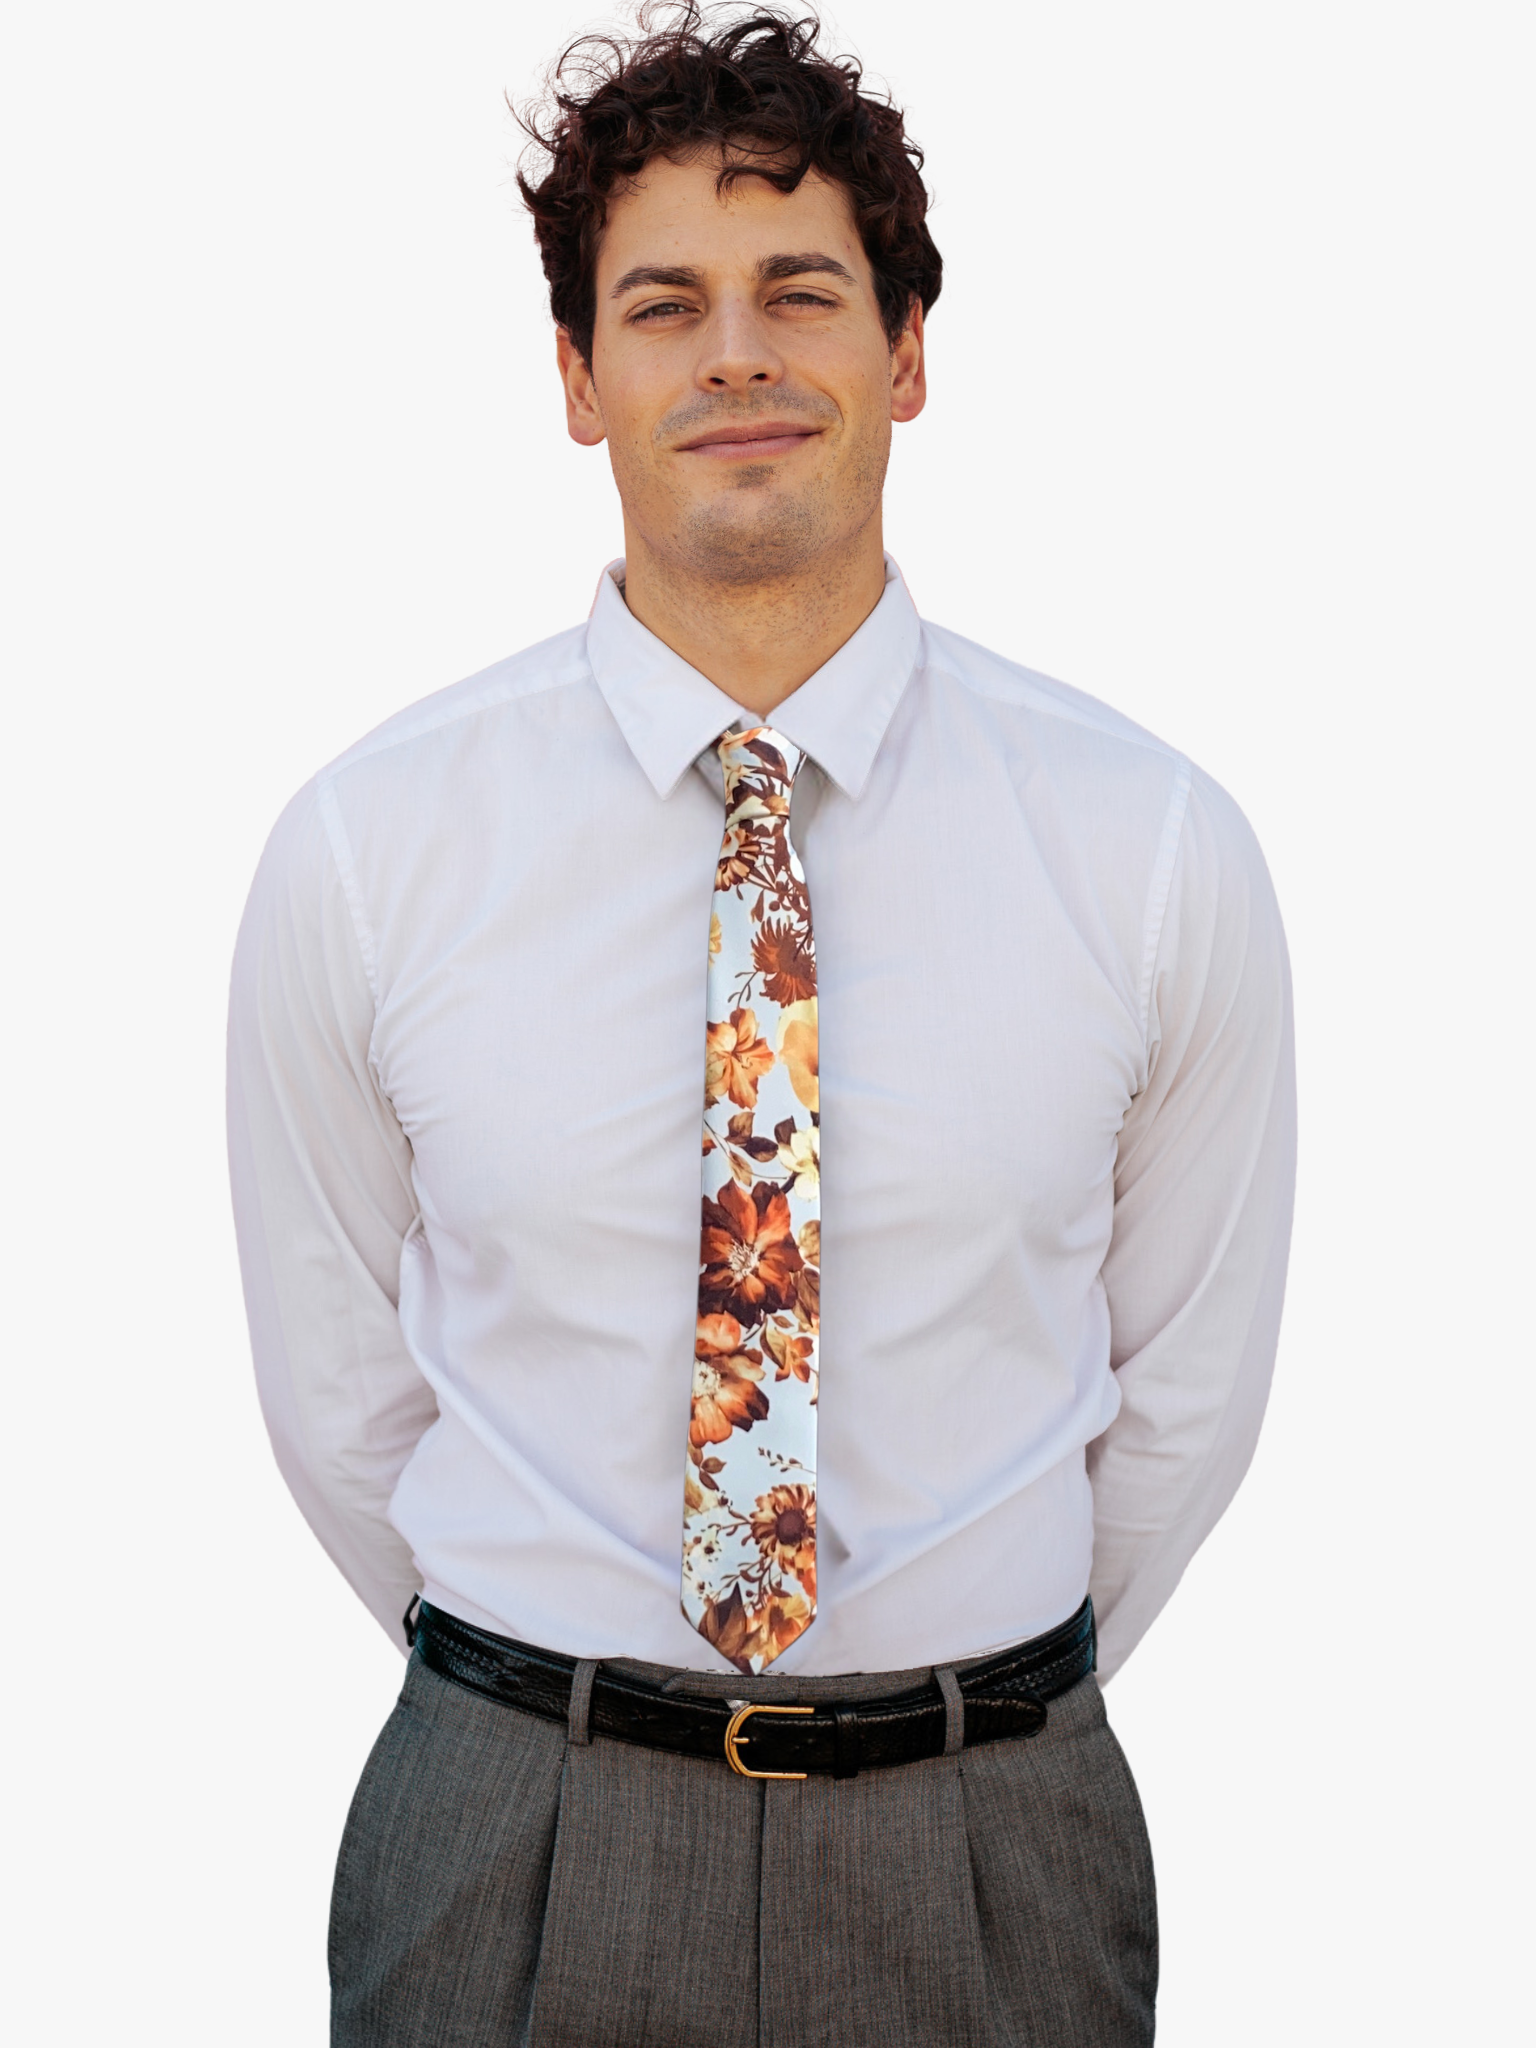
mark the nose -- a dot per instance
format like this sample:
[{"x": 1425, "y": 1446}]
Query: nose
[{"x": 738, "y": 352}]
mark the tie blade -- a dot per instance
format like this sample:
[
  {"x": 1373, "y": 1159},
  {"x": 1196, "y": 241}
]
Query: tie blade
[
  {"x": 748, "y": 1636},
  {"x": 749, "y": 1529}
]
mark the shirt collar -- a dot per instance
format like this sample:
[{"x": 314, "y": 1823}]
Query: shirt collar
[{"x": 669, "y": 713}]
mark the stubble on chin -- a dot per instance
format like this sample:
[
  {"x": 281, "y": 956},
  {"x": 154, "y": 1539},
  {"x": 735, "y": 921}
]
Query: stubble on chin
[
  {"x": 753, "y": 533},
  {"x": 756, "y": 532}
]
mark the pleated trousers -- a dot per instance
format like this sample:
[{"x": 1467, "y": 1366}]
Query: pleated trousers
[{"x": 501, "y": 1885}]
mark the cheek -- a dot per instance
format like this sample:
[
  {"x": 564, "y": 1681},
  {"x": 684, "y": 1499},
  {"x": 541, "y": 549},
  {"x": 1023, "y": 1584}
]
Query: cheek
[
  {"x": 867, "y": 410},
  {"x": 862, "y": 388},
  {"x": 628, "y": 402},
  {"x": 631, "y": 456}
]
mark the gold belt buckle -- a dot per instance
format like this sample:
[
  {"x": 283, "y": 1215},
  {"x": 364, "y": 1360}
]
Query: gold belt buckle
[{"x": 733, "y": 1737}]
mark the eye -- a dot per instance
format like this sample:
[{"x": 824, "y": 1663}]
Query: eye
[
  {"x": 662, "y": 310},
  {"x": 803, "y": 298}
]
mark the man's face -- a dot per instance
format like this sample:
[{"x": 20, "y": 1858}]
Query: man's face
[{"x": 740, "y": 371}]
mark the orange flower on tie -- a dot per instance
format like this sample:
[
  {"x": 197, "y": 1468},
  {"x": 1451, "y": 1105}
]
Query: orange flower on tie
[
  {"x": 735, "y": 1060},
  {"x": 726, "y": 1395},
  {"x": 794, "y": 1356}
]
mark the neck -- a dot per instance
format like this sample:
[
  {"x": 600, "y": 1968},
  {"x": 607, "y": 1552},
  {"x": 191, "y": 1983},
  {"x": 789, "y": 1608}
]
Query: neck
[{"x": 756, "y": 641}]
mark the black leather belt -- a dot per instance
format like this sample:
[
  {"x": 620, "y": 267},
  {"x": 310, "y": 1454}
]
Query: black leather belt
[{"x": 1001, "y": 1697}]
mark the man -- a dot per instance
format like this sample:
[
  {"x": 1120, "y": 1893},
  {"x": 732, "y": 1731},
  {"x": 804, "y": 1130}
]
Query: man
[{"x": 751, "y": 1698}]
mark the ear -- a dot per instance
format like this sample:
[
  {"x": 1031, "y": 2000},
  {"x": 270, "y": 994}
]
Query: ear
[
  {"x": 583, "y": 415},
  {"x": 909, "y": 379}
]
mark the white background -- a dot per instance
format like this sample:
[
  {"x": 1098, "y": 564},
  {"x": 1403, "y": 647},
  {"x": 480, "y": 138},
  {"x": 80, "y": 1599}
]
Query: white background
[{"x": 1232, "y": 425}]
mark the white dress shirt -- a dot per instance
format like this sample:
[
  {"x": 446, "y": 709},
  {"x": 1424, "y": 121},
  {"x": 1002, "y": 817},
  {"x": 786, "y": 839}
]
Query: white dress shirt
[{"x": 1057, "y": 1119}]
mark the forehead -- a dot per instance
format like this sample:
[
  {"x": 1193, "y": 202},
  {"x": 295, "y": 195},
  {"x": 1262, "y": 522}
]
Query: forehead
[{"x": 673, "y": 215}]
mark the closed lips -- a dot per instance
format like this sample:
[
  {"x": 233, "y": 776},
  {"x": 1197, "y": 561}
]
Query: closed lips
[{"x": 761, "y": 438}]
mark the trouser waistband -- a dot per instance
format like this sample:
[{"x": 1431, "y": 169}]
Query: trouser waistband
[{"x": 993, "y": 1699}]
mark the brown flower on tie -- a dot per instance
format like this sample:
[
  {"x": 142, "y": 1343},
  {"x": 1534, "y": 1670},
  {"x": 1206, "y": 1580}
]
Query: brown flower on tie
[
  {"x": 786, "y": 960},
  {"x": 749, "y": 1255},
  {"x": 784, "y": 1529}
]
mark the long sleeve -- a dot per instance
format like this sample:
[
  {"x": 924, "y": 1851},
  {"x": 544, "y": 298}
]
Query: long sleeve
[
  {"x": 1203, "y": 1193},
  {"x": 321, "y": 1176}
]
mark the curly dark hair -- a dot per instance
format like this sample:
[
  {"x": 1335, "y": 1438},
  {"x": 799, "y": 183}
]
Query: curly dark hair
[{"x": 757, "y": 88}]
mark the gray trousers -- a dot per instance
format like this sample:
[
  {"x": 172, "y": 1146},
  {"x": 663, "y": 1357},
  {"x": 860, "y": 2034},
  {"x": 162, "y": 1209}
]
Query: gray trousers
[{"x": 502, "y": 1883}]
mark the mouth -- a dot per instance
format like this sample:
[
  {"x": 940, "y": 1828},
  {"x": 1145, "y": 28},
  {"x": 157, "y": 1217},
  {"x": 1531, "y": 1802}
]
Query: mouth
[{"x": 750, "y": 444}]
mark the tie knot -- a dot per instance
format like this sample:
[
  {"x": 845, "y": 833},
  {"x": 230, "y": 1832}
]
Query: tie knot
[{"x": 760, "y": 769}]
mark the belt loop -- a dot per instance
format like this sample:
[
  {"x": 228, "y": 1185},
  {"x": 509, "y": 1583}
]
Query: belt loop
[
  {"x": 846, "y": 1746},
  {"x": 410, "y": 1620},
  {"x": 581, "y": 1700},
  {"x": 954, "y": 1708}
]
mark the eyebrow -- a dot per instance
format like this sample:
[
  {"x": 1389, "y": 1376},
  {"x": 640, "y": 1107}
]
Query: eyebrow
[{"x": 770, "y": 270}]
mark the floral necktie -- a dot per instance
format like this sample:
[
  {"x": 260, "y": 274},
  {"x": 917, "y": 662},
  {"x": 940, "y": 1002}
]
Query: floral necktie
[{"x": 749, "y": 1510}]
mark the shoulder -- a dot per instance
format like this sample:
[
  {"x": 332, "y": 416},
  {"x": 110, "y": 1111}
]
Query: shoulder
[
  {"x": 1102, "y": 779},
  {"x": 440, "y": 760},
  {"x": 1108, "y": 783},
  {"x": 444, "y": 765},
  {"x": 518, "y": 681},
  {"x": 1054, "y": 708}
]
